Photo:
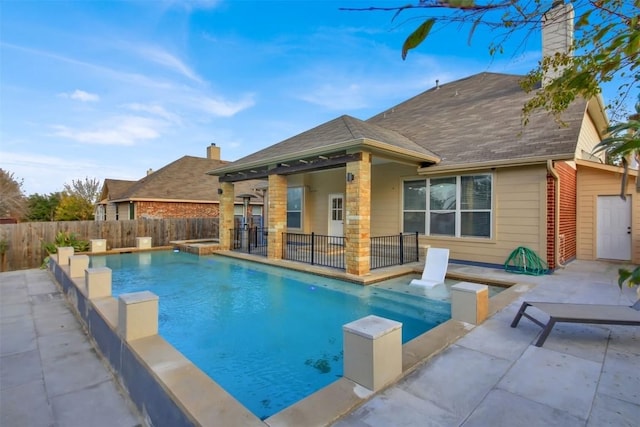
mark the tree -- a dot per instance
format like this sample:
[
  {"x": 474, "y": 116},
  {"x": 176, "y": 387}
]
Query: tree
[
  {"x": 89, "y": 189},
  {"x": 606, "y": 43},
  {"x": 42, "y": 207},
  {"x": 72, "y": 207},
  {"x": 12, "y": 200}
]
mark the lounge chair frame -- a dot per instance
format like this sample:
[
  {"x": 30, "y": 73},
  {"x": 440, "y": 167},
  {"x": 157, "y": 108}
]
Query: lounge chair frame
[{"x": 578, "y": 313}]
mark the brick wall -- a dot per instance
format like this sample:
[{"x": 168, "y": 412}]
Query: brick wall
[
  {"x": 568, "y": 225},
  {"x": 176, "y": 210}
]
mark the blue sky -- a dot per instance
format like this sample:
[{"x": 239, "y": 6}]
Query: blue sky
[{"x": 109, "y": 89}]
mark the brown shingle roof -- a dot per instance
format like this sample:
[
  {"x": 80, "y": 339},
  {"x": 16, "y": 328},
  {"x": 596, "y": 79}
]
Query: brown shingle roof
[
  {"x": 479, "y": 119},
  {"x": 473, "y": 120},
  {"x": 114, "y": 188},
  {"x": 336, "y": 134},
  {"x": 183, "y": 179}
]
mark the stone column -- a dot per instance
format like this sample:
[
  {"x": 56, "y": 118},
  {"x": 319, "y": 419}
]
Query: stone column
[
  {"x": 143, "y": 242},
  {"x": 137, "y": 315},
  {"x": 98, "y": 282},
  {"x": 469, "y": 302},
  {"x": 98, "y": 245},
  {"x": 64, "y": 252},
  {"x": 77, "y": 265},
  {"x": 225, "y": 224},
  {"x": 277, "y": 214},
  {"x": 358, "y": 216},
  {"x": 372, "y": 351}
]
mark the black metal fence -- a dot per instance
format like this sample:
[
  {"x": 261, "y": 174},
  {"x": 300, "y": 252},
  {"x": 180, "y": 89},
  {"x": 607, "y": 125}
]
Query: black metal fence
[
  {"x": 249, "y": 240},
  {"x": 314, "y": 249},
  {"x": 394, "y": 250}
]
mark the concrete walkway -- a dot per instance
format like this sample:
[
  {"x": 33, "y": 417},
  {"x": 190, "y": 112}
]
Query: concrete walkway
[
  {"x": 584, "y": 375},
  {"x": 50, "y": 374}
]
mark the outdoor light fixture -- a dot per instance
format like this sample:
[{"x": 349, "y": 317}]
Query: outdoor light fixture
[
  {"x": 219, "y": 190},
  {"x": 350, "y": 177}
]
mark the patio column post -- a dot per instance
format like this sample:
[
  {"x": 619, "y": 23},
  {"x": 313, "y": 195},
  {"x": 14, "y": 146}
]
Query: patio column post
[
  {"x": 358, "y": 216},
  {"x": 277, "y": 215},
  {"x": 226, "y": 214}
]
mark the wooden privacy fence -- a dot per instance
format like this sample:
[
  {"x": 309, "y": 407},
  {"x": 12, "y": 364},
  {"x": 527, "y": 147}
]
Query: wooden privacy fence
[{"x": 25, "y": 240}]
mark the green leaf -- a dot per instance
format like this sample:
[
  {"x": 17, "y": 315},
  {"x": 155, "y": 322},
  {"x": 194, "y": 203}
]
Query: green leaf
[
  {"x": 623, "y": 275},
  {"x": 417, "y": 36}
]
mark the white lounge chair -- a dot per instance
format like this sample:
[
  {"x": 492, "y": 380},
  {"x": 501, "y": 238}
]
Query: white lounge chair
[{"x": 435, "y": 268}]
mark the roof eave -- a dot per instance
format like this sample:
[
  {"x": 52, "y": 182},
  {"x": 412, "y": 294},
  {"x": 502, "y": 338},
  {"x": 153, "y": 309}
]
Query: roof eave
[
  {"x": 527, "y": 161},
  {"x": 358, "y": 143}
]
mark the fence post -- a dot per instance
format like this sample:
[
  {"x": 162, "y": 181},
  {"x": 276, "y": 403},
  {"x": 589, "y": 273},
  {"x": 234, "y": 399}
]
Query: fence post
[
  {"x": 313, "y": 250},
  {"x": 285, "y": 242},
  {"x": 417, "y": 248},
  {"x": 401, "y": 249}
]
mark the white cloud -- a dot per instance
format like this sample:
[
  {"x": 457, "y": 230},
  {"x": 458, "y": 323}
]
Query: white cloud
[
  {"x": 193, "y": 4},
  {"x": 81, "y": 95},
  {"x": 164, "y": 58},
  {"x": 156, "y": 110},
  {"x": 123, "y": 130},
  {"x": 221, "y": 107}
]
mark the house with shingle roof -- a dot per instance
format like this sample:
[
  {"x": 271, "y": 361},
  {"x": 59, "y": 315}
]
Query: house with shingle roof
[
  {"x": 181, "y": 189},
  {"x": 456, "y": 165}
]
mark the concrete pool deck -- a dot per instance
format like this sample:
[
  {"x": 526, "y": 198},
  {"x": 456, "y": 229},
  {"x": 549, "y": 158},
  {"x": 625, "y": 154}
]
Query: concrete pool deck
[{"x": 493, "y": 375}]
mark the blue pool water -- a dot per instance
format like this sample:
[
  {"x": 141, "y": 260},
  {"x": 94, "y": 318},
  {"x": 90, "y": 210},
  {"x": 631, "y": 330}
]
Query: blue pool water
[{"x": 268, "y": 336}]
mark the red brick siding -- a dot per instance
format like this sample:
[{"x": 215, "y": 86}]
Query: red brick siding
[
  {"x": 176, "y": 210},
  {"x": 568, "y": 225},
  {"x": 551, "y": 219}
]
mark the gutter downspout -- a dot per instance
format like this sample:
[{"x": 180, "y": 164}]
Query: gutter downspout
[{"x": 556, "y": 225}]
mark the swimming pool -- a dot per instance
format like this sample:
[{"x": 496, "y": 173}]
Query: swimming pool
[{"x": 269, "y": 336}]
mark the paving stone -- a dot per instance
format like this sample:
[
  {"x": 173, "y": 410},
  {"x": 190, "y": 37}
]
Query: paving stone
[
  {"x": 26, "y": 405},
  {"x": 397, "y": 408},
  {"x": 608, "y": 411},
  {"x": 17, "y": 335},
  {"x": 621, "y": 376},
  {"x": 504, "y": 409},
  {"x": 100, "y": 405},
  {"x": 455, "y": 369},
  {"x": 562, "y": 381},
  {"x": 20, "y": 368},
  {"x": 73, "y": 372}
]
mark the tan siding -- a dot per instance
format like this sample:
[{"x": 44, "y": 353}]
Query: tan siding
[
  {"x": 319, "y": 186},
  {"x": 519, "y": 214},
  {"x": 589, "y": 138},
  {"x": 593, "y": 182},
  {"x": 386, "y": 197}
]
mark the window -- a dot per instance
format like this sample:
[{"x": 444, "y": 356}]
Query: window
[
  {"x": 294, "y": 207},
  {"x": 458, "y": 206}
]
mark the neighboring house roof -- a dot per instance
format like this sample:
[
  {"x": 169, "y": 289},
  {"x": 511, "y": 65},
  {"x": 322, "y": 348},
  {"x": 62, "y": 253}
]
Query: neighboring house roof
[
  {"x": 473, "y": 120},
  {"x": 182, "y": 180},
  {"x": 114, "y": 189}
]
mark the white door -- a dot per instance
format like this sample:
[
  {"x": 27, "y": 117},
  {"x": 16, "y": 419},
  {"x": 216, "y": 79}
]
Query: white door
[
  {"x": 614, "y": 228},
  {"x": 336, "y": 216}
]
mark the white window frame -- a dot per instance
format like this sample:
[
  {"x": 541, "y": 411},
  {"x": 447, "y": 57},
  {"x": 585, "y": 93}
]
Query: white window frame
[
  {"x": 301, "y": 210},
  {"x": 458, "y": 209}
]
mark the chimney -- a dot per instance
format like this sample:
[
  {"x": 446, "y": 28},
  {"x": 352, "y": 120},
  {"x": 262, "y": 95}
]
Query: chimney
[
  {"x": 149, "y": 171},
  {"x": 213, "y": 152},
  {"x": 557, "y": 35}
]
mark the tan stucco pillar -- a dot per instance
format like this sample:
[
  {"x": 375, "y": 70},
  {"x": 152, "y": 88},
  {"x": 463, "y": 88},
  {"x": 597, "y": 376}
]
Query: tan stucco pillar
[
  {"x": 277, "y": 214},
  {"x": 226, "y": 214},
  {"x": 358, "y": 215}
]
